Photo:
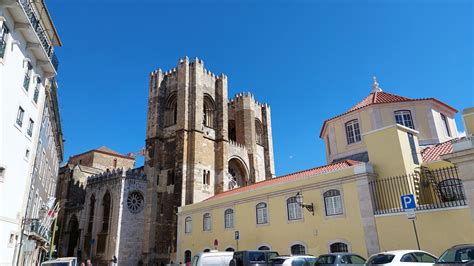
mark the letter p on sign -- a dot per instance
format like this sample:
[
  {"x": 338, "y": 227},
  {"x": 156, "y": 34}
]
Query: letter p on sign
[{"x": 408, "y": 202}]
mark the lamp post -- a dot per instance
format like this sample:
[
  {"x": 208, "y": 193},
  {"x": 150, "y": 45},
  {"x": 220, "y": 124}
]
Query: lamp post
[{"x": 299, "y": 200}]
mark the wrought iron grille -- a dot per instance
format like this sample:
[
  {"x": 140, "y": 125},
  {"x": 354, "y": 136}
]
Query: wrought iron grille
[
  {"x": 40, "y": 31},
  {"x": 433, "y": 189},
  {"x": 3, "y": 46}
]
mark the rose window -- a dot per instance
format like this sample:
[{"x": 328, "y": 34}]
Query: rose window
[{"x": 135, "y": 202}]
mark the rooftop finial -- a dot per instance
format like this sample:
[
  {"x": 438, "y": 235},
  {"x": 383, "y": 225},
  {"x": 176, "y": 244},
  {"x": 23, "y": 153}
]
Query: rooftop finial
[{"x": 375, "y": 85}]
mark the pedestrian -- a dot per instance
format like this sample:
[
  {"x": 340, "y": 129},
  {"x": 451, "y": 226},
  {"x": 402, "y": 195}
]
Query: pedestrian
[
  {"x": 113, "y": 261},
  {"x": 83, "y": 263},
  {"x": 88, "y": 262}
]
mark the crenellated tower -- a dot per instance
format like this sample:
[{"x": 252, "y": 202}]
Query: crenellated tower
[{"x": 198, "y": 144}]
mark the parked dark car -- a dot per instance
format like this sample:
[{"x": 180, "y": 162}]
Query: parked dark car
[
  {"x": 457, "y": 255},
  {"x": 253, "y": 257},
  {"x": 342, "y": 258}
]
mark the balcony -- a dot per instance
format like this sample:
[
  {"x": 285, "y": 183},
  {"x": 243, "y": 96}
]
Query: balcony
[
  {"x": 3, "y": 45},
  {"x": 29, "y": 23},
  {"x": 38, "y": 230}
]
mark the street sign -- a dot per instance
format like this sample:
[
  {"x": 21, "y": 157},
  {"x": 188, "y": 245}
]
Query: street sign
[
  {"x": 408, "y": 202},
  {"x": 237, "y": 235},
  {"x": 411, "y": 214}
]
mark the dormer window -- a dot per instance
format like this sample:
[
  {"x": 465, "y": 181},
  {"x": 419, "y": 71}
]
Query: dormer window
[
  {"x": 446, "y": 125},
  {"x": 403, "y": 117},
  {"x": 353, "y": 131}
]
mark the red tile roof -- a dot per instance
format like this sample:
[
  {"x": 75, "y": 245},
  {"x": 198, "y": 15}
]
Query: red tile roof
[
  {"x": 290, "y": 177},
  {"x": 381, "y": 97},
  {"x": 433, "y": 153}
]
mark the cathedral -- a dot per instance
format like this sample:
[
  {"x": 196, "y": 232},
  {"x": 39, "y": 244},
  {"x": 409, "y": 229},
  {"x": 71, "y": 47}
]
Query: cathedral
[{"x": 199, "y": 143}]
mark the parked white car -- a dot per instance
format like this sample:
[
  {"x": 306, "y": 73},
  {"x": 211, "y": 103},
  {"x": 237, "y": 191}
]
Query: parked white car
[
  {"x": 402, "y": 257},
  {"x": 69, "y": 261},
  {"x": 296, "y": 260},
  {"x": 212, "y": 258}
]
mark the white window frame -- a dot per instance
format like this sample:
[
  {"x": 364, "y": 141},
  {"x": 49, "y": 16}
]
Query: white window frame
[
  {"x": 333, "y": 204},
  {"x": 404, "y": 118},
  {"x": 262, "y": 212},
  {"x": 206, "y": 222},
  {"x": 229, "y": 218},
  {"x": 19, "y": 116},
  {"x": 29, "y": 131},
  {"x": 294, "y": 210},
  {"x": 188, "y": 225},
  {"x": 352, "y": 128}
]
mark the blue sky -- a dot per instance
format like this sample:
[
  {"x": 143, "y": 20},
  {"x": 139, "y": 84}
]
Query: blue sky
[{"x": 310, "y": 60}]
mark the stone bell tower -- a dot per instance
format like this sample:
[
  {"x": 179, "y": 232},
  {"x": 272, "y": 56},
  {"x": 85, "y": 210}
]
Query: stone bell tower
[{"x": 198, "y": 144}]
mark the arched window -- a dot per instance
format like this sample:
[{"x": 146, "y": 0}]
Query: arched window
[
  {"x": 338, "y": 247},
  {"x": 403, "y": 117},
  {"x": 187, "y": 256},
  {"x": 298, "y": 249},
  {"x": 91, "y": 214},
  {"x": 230, "y": 249},
  {"x": 206, "y": 222},
  {"x": 208, "y": 111},
  {"x": 171, "y": 111},
  {"x": 294, "y": 209},
  {"x": 263, "y": 248},
  {"x": 206, "y": 250},
  {"x": 262, "y": 213},
  {"x": 106, "y": 212},
  {"x": 353, "y": 131},
  {"x": 258, "y": 132},
  {"x": 188, "y": 225},
  {"x": 229, "y": 218},
  {"x": 333, "y": 202}
]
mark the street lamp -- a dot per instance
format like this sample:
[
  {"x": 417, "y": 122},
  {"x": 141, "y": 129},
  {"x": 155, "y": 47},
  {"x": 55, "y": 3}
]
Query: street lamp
[{"x": 299, "y": 200}]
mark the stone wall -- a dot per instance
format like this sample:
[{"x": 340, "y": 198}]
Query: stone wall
[{"x": 187, "y": 150}]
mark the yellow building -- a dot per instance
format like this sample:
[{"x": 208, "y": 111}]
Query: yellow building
[{"x": 353, "y": 203}]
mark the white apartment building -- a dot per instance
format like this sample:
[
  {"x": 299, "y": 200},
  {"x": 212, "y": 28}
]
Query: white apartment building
[
  {"x": 27, "y": 66},
  {"x": 49, "y": 154}
]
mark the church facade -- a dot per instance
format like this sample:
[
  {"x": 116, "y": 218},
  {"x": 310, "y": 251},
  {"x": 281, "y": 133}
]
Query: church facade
[{"x": 198, "y": 144}]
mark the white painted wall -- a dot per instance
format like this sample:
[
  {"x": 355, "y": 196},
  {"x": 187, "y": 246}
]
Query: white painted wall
[{"x": 14, "y": 140}]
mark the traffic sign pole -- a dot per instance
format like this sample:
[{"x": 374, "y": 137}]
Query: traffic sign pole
[
  {"x": 409, "y": 206},
  {"x": 416, "y": 235}
]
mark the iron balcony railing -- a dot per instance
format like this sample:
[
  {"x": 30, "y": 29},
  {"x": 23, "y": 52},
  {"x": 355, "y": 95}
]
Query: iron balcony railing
[
  {"x": 36, "y": 95},
  {"x": 26, "y": 82},
  {"x": 40, "y": 31},
  {"x": 3, "y": 45},
  {"x": 433, "y": 189},
  {"x": 39, "y": 229}
]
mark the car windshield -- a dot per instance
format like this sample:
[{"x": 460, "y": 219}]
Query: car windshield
[
  {"x": 257, "y": 256},
  {"x": 457, "y": 255},
  {"x": 381, "y": 259}
]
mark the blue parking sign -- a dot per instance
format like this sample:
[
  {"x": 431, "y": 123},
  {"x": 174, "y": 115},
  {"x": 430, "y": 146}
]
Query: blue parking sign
[{"x": 408, "y": 202}]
